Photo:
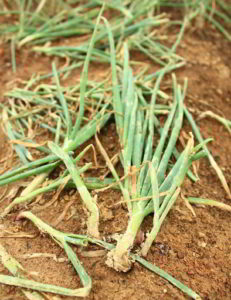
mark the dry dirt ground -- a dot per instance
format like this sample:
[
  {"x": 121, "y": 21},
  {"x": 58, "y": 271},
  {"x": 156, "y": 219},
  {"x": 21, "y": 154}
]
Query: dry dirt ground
[{"x": 195, "y": 250}]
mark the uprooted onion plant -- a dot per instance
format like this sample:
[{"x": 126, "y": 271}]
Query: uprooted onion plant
[
  {"x": 73, "y": 135},
  {"x": 151, "y": 184}
]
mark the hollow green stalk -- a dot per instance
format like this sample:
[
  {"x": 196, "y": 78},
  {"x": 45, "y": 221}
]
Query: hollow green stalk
[{"x": 90, "y": 203}]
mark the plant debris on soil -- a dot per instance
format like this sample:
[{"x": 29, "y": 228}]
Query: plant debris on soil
[{"x": 51, "y": 79}]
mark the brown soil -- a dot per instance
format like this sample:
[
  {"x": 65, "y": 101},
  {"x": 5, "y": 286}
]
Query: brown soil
[{"x": 195, "y": 250}]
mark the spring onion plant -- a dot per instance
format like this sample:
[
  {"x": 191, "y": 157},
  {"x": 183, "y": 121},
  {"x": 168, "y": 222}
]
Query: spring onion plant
[
  {"x": 48, "y": 20},
  {"x": 137, "y": 35},
  {"x": 157, "y": 191},
  {"x": 215, "y": 12},
  {"x": 131, "y": 21},
  {"x": 149, "y": 186},
  {"x": 75, "y": 135}
]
